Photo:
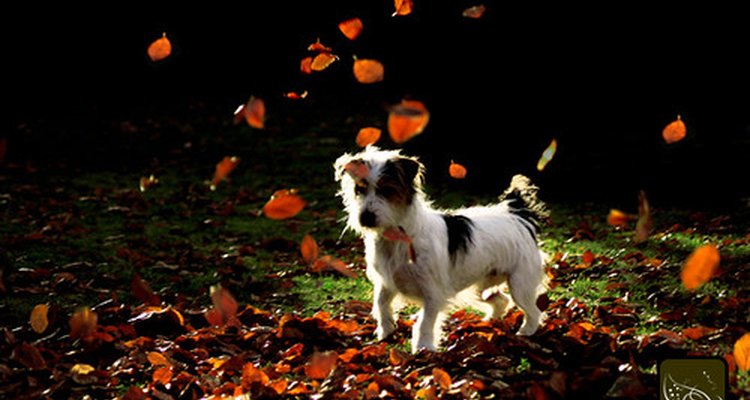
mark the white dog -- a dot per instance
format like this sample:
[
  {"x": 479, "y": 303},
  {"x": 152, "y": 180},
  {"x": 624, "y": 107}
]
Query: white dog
[{"x": 430, "y": 255}]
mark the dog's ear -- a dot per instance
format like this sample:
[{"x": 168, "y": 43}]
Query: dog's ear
[
  {"x": 339, "y": 166},
  {"x": 410, "y": 167}
]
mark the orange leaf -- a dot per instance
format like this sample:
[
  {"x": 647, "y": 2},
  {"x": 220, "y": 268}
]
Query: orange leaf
[
  {"x": 644, "y": 224},
  {"x": 442, "y": 378},
  {"x": 143, "y": 292},
  {"x": 617, "y": 218},
  {"x": 675, "y": 131},
  {"x": 162, "y": 375},
  {"x": 321, "y": 364},
  {"x": 328, "y": 262},
  {"x": 427, "y": 393},
  {"x": 322, "y": 61},
  {"x": 295, "y": 95},
  {"x": 319, "y": 47},
  {"x": 157, "y": 359},
  {"x": 251, "y": 374},
  {"x": 474, "y": 12},
  {"x": 742, "y": 352},
  {"x": 255, "y": 113},
  {"x": 367, "y": 136},
  {"x": 396, "y": 235},
  {"x": 456, "y": 170},
  {"x": 357, "y": 169},
  {"x": 407, "y": 120},
  {"x": 305, "y": 66},
  {"x": 223, "y": 168},
  {"x": 397, "y": 357},
  {"x": 700, "y": 266},
  {"x": 309, "y": 249},
  {"x": 278, "y": 386},
  {"x": 224, "y": 303},
  {"x": 160, "y": 48},
  {"x": 547, "y": 155},
  {"x": 82, "y": 323},
  {"x": 403, "y": 7},
  {"x": 38, "y": 318},
  {"x": 283, "y": 204},
  {"x": 588, "y": 257},
  {"x": 697, "y": 332},
  {"x": 351, "y": 28},
  {"x": 368, "y": 71}
]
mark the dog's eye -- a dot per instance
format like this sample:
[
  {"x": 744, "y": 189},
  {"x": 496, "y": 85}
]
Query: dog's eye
[
  {"x": 360, "y": 188},
  {"x": 386, "y": 191}
]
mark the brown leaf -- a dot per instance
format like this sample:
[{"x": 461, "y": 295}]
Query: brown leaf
[
  {"x": 474, "y": 12},
  {"x": 134, "y": 393},
  {"x": 29, "y": 356},
  {"x": 157, "y": 359},
  {"x": 82, "y": 323},
  {"x": 309, "y": 249},
  {"x": 224, "y": 303},
  {"x": 38, "y": 318},
  {"x": 255, "y": 113},
  {"x": 645, "y": 223},
  {"x": 697, "y": 332},
  {"x": 321, "y": 364},
  {"x": 143, "y": 292},
  {"x": 251, "y": 374},
  {"x": 397, "y": 357},
  {"x": 162, "y": 375},
  {"x": 328, "y": 262},
  {"x": 442, "y": 378}
]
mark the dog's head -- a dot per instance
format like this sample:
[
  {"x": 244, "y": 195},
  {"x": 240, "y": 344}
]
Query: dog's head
[{"x": 378, "y": 187}]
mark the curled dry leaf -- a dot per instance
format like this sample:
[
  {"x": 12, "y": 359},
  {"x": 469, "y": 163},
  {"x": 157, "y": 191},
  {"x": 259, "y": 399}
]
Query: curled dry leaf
[
  {"x": 162, "y": 375},
  {"x": 368, "y": 71},
  {"x": 674, "y": 131},
  {"x": 309, "y": 249},
  {"x": 742, "y": 352},
  {"x": 617, "y": 218},
  {"x": 457, "y": 171},
  {"x": 407, "y": 120},
  {"x": 38, "y": 318},
  {"x": 319, "y": 47},
  {"x": 143, "y": 292},
  {"x": 367, "y": 136},
  {"x": 351, "y": 28},
  {"x": 255, "y": 113},
  {"x": 442, "y": 378},
  {"x": 83, "y": 323},
  {"x": 645, "y": 223},
  {"x": 700, "y": 266},
  {"x": 157, "y": 359},
  {"x": 321, "y": 364},
  {"x": 322, "y": 61},
  {"x": 160, "y": 48},
  {"x": 403, "y": 7},
  {"x": 475, "y": 12},
  {"x": 225, "y": 306},
  {"x": 223, "y": 168},
  {"x": 283, "y": 204},
  {"x": 305, "y": 66},
  {"x": 547, "y": 155}
]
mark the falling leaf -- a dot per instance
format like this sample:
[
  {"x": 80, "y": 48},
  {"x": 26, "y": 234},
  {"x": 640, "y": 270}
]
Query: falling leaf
[
  {"x": 146, "y": 183},
  {"x": 82, "y": 323},
  {"x": 475, "y": 12},
  {"x": 223, "y": 168},
  {"x": 321, "y": 364},
  {"x": 143, "y": 292},
  {"x": 305, "y": 66},
  {"x": 157, "y": 359},
  {"x": 295, "y": 95},
  {"x": 700, "y": 266},
  {"x": 330, "y": 263},
  {"x": 351, "y": 28},
  {"x": 283, "y": 204},
  {"x": 403, "y": 7},
  {"x": 547, "y": 155},
  {"x": 442, "y": 378},
  {"x": 255, "y": 113},
  {"x": 357, "y": 169},
  {"x": 319, "y": 47},
  {"x": 309, "y": 249},
  {"x": 224, "y": 304},
  {"x": 322, "y": 61},
  {"x": 162, "y": 375},
  {"x": 617, "y": 218},
  {"x": 368, "y": 71},
  {"x": 407, "y": 120},
  {"x": 160, "y": 48},
  {"x": 367, "y": 136},
  {"x": 675, "y": 131},
  {"x": 742, "y": 352},
  {"x": 645, "y": 223},
  {"x": 456, "y": 170},
  {"x": 38, "y": 318}
]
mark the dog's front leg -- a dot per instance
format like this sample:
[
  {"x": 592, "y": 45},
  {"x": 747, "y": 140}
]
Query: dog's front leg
[
  {"x": 383, "y": 312},
  {"x": 423, "y": 332}
]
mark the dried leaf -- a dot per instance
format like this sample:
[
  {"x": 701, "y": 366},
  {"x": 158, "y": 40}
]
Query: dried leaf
[
  {"x": 223, "y": 168},
  {"x": 82, "y": 323},
  {"x": 322, "y": 61},
  {"x": 457, "y": 171},
  {"x": 38, "y": 318},
  {"x": 675, "y": 131},
  {"x": 645, "y": 223},
  {"x": 351, "y": 28},
  {"x": 278, "y": 385},
  {"x": 368, "y": 71},
  {"x": 588, "y": 257},
  {"x": 157, "y": 359},
  {"x": 367, "y": 136},
  {"x": 319, "y": 47},
  {"x": 295, "y": 95},
  {"x": 255, "y": 113},
  {"x": 742, "y": 352},
  {"x": 547, "y": 155},
  {"x": 143, "y": 292},
  {"x": 397, "y": 357},
  {"x": 407, "y": 120},
  {"x": 283, "y": 204},
  {"x": 251, "y": 374},
  {"x": 309, "y": 249},
  {"x": 82, "y": 374},
  {"x": 162, "y": 375},
  {"x": 697, "y": 332},
  {"x": 147, "y": 182},
  {"x": 305, "y": 66},
  {"x": 700, "y": 266},
  {"x": 475, "y": 12},
  {"x": 29, "y": 356},
  {"x": 321, "y": 364},
  {"x": 396, "y": 235},
  {"x": 617, "y": 218},
  {"x": 160, "y": 48},
  {"x": 224, "y": 303},
  {"x": 403, "y": 7},
  {"x": 330, "y": 263},
  {"x": 442, "y": 378}
]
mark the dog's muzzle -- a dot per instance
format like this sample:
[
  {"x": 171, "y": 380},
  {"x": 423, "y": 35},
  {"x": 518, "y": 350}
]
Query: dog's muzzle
[{"x": 367, "y": 219}]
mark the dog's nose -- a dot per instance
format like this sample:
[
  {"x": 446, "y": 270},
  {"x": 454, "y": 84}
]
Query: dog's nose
[{"x": 367, "y": 219}]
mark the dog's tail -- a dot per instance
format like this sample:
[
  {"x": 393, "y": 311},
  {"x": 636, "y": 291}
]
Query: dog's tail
[{"x": 522, "y": 200}]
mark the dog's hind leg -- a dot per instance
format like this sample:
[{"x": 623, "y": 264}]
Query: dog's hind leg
[
  {"x": 524, "y": 286},
  {"x": 382, "y": 310}
]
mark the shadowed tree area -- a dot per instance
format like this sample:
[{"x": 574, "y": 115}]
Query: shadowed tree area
[{"x": 150, "y": 239}]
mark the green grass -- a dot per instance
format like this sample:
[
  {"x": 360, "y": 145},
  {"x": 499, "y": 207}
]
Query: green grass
[{"x": 328, "y": 293}]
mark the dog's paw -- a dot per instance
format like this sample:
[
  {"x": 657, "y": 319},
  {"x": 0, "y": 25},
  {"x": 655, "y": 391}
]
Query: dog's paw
[
  {"x": 417, "y": 347},
  {"x": 527, "y": 329},
  {"x": 384, "y": 330}
]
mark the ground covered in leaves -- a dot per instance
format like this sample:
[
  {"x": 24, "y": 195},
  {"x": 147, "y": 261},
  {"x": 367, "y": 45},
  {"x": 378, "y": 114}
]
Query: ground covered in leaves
[{"x": 120, "y": 280}]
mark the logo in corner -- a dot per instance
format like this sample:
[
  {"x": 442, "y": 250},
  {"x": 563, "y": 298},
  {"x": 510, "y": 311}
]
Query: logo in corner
[{"x": 693, "y": 378}]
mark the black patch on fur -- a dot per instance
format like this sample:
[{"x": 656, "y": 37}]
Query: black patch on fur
[
  {"x": 396, "y": 181},
  {"x": 518, "y": 207},
  {"x": 460, "y": 231}
]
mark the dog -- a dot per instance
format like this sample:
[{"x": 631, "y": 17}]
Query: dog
[{"x": 429, "y": 255}]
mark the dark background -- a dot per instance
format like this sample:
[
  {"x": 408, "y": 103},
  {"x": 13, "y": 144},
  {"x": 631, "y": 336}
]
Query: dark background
[{"x": 603, "y": 81}]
